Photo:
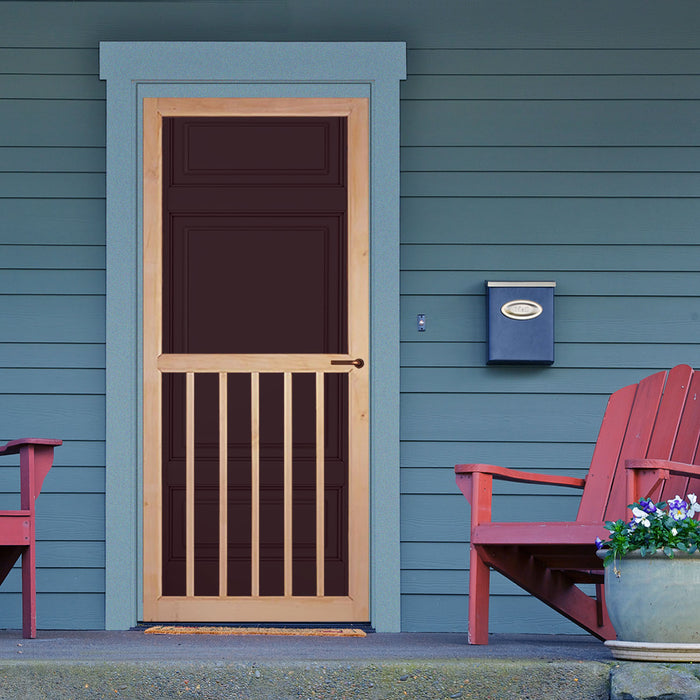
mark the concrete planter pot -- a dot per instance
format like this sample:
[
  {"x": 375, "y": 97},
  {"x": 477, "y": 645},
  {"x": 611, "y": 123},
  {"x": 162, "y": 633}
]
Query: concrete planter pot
[{"x": 652, "y": 602}]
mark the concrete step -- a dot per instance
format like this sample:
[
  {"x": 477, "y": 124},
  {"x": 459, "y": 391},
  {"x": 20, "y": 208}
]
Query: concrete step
[
  {"x": 130, "y": 664},
  {"x": 270, "y": 680}
]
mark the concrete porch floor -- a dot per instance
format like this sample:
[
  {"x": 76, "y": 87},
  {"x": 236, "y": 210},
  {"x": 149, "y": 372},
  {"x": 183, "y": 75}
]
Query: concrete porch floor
[{"x": 131, "y": 664}]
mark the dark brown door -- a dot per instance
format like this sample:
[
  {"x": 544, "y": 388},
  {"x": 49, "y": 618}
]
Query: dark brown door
[{"x": 254, "y": 261}]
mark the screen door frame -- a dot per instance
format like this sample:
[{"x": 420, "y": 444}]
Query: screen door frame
[{"x": 223, "y": 608}]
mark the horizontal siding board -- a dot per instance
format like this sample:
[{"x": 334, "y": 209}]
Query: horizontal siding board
[
  {"x": 434, "y": 518},
  {"x": 452, "y": 582},
  {"x": 59, "y": 355},
  {"x": 52, "y": 185},
  {"x": 416, "y": 582},
  {"x": 516, "y": 379},
  {"x": 443, "y": 518},
  {"x": 552, "y": 24},
  {"x": 449, "y": 613},
  {"x": 56, "y": 611},
  {"x": 52, "y": 381},
  {"x": 52, "y": 123},
  {"x": 80, "y": 517},
  {"x": 120, "y": 21},
  {"x": 52, "y": 160},
  {"x": 536, "y": 61},
  {"x": 512, "y": 418},
  {"x": 549, "y": 87},
  {"x": 53, "y": 318},
  {"x": 60, "y": 480},
  {"x": 552, "y": 258},
  {"x": 588, "y": 159},
  {"x": 58, "y": 580},
  {"x": 70, "y": 480},
  {"x": 545, "y": 457},
  {"x": 80, "y": 453},
  {"x": 82, "y": 554},
  {"x": 53, "y": 221},
  {"x": 571, "y": 283},
  {"x": 62, "y": 417},
  {"x": 550, "y": 123},
  {"x": 514, "y": 220},
  {"x": 577, "y": 319},
  {"x": 82, "y": 282},
  {"x": 447, "y": 556},
  {"x": 646, "y": 356},
  {"x": 51, "y": 87},
  {"x": 51, "y": 61},
  {"x": 532, "y": 184},
  {"x": 52, "y": 257}
]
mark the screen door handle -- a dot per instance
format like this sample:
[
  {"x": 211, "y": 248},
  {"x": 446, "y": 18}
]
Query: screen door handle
[{"x": 357, "y": 363}]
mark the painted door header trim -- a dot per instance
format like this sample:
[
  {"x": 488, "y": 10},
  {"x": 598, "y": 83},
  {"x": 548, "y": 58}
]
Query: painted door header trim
[{"x": 269, "y": 61}]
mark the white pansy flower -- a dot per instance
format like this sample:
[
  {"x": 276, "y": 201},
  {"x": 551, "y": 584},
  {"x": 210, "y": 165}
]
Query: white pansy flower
[{"x": 640, "y": 517}]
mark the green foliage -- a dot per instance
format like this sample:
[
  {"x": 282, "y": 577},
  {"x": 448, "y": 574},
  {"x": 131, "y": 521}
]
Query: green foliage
[{"x": 665, "y": 526}]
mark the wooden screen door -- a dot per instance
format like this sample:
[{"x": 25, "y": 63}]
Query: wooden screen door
[{"x": 255, "y": 360}]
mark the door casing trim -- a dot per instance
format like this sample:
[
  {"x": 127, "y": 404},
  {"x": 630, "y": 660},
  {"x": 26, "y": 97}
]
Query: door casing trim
[{"x": 134, "y": 70}]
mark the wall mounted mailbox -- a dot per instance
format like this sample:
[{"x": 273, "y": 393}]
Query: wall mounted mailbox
[{"x": 520, "y": 322}]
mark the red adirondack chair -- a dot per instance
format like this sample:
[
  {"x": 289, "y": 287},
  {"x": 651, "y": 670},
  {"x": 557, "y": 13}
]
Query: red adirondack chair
[
  {"x": 647, "y": 446},
  {"x": 17, "y": 526}
]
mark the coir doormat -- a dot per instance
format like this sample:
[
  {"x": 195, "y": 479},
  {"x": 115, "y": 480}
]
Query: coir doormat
[{"x": 241, "y": 631}]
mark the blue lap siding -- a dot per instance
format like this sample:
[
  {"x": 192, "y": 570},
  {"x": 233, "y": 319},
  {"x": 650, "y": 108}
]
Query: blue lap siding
[{"x": 539, "y": 141}]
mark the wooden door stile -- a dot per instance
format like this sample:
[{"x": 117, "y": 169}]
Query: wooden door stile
[
  {"x": 288, "y": 525},
  {"x": 223, "y": 484},
  {"x": 255, "y": 484},
  {"x": 189, "y": 483},
  {"x": 320, "y": 485}
]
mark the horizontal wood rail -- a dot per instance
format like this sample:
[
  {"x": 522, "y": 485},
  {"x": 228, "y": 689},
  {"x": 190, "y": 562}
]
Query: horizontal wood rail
[{"x": 215, "y": 363}]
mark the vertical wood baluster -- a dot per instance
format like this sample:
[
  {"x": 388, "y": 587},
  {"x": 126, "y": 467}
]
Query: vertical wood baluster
[
  {"x": 320, "y": 485},
  {"x": 255, "y": 484},
  {"x": 288, "y": 484},
  {"x": 189, "y": 484},
  {"x": 223, "y": 483}
]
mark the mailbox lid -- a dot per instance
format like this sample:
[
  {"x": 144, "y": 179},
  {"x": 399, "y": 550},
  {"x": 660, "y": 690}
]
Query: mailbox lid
[{"x": 520, "y": 322}]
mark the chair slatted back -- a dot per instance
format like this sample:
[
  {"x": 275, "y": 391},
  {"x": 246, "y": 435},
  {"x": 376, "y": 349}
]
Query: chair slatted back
[
  {"x": 687, "y": 446},
  {"x": 659, "y": 418}
]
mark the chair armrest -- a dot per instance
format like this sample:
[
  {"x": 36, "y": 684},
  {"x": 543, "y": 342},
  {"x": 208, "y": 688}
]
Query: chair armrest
[
  {"x": 35, "y": 461},
  {"x": 14, "y": 446},
  {"x": 646, "y": 477},
  {"x": 665, "y": 465},
  {"x": 475, "y": 482},
  {"x": 513, "y": 475}
]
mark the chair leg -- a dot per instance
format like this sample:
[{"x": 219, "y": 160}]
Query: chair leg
[
  {"x": 29, "y": 593},
  {"x": 479, "y": 579}
]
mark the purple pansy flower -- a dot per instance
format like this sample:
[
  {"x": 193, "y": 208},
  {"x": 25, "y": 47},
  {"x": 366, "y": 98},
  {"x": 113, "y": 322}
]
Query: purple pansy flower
[
  {"x": 678, "y": 508},
  {"x": 647, "y": 505}
]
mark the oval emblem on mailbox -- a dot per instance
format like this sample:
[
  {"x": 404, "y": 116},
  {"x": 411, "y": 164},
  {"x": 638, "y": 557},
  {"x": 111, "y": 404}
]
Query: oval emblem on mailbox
[{"x": 521, "y": 309}]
